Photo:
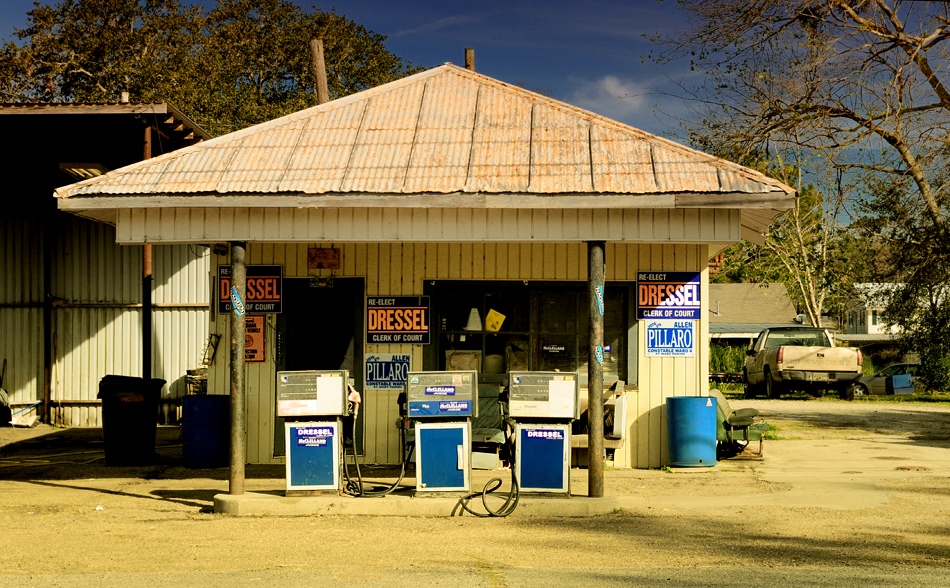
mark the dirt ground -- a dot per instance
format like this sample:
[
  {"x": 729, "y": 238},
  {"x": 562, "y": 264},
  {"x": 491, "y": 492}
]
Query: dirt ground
[{"x": 69, "y": 520}]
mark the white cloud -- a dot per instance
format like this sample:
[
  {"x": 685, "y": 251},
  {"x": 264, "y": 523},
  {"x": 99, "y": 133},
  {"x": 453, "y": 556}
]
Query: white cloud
[{"x": 613, "y": 97}]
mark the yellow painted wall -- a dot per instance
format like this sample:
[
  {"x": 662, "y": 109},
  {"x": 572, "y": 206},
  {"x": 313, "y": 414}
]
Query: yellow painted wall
[{"x": 401, "y": 269}]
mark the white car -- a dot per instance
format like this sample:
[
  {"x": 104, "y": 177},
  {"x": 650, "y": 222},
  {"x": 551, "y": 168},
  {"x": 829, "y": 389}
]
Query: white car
[{"x": 897, "y": 378}]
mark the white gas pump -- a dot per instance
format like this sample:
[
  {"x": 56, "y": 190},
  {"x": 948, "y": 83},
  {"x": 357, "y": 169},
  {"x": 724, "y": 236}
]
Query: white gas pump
[
  {"x": 442, "y": 405},
  {"x": 542, "y": 406},
  {"x": 313, "y": 403}
]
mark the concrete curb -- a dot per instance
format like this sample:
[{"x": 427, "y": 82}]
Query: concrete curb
[{"x": 259, "y": 504}]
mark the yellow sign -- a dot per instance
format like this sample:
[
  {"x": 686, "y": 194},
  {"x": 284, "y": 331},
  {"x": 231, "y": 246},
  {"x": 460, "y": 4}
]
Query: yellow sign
[{"x": 493, "y": 321}]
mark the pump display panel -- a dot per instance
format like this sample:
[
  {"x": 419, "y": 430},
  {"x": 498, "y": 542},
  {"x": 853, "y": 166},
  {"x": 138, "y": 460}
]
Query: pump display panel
[
  {"x": 442, "y": 394},
  {"x": 549, "y": 395},
  {"x": 311, "y": 393}
]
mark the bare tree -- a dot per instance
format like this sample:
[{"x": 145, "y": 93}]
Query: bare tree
[{"x": 860, "y": 89}]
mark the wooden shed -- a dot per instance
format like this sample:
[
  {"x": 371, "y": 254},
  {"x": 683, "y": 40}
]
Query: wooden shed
[{"x": 470, "y": 196}]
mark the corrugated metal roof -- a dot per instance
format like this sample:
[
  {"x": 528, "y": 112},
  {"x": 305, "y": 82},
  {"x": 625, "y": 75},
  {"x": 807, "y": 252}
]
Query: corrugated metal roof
[{"x": 444, "y": 131}]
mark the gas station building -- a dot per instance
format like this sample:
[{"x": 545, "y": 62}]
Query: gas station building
[{"x": 444, "y": 221}]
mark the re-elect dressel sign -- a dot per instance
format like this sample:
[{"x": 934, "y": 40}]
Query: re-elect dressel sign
[
  {"x": 668, "y": 295},
  {"x": 671, "y": 339}
]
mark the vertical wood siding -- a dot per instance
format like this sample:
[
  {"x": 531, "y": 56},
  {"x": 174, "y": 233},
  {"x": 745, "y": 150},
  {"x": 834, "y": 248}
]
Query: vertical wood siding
[
  {"x": 401, "y": 269},
  {"x": 448, "y": 225}
]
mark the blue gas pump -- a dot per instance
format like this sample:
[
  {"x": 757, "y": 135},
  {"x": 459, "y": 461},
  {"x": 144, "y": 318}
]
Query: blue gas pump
[
  {"x": 313, "y": 404},
  {"x": 442, "y": 405},
  {"x": 542, "y": 406}
]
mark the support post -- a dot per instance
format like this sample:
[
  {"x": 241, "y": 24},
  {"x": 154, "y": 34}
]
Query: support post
[
  {"x": 147, "y": 282},
  {"x": 469, "y": 59},
  {"x": 595, "y": 370},
  {"x": 238, "y": 328}
]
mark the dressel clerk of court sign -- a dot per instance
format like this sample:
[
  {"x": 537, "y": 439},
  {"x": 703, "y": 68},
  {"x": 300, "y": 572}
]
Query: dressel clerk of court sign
[
  {"x": 397, "y": 320},
  {"x": 668, "y": 295}
]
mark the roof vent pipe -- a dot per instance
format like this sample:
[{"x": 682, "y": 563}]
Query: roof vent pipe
[{"x": 469, "y": 59}]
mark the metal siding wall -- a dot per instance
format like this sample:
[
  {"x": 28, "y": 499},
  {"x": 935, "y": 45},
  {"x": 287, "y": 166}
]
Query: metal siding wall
[
  {"x": 98, "y": 330},
  {"x": 21, "y": 313}
]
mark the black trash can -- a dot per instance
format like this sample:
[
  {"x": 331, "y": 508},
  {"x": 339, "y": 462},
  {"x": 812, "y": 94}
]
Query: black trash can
[
  {"x": 129, "y": 419},
  {"x": 206, "y": 430}
]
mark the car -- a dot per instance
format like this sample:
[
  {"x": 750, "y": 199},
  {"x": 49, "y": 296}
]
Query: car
[{"x": 883, "y": 382}]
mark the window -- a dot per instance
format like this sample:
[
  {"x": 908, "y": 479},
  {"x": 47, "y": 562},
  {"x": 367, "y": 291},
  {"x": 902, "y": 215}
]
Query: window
[
  {"x": 545, "y": 328},
  {"x": 873, "y": 317}
]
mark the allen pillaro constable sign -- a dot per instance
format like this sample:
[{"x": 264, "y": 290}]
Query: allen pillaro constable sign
[{"x": 397, "y": 320}]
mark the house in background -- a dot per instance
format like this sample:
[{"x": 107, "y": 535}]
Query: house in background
[
  {"x": 739, "y": 312},
  {"x": 71, "y": 299},
  {"x": 865, "y": 328},
  {"x": 864, "y": 317}
]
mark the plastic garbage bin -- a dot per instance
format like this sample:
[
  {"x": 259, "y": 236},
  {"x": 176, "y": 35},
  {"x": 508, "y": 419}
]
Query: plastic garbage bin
[
  {"x": 129, "y": 418},
  {"x": 691, "y": 424},
  {"x": 206, "y": 430}
]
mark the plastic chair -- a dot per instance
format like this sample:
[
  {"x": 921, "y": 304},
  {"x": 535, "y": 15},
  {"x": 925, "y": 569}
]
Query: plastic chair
[{"x": 735, "y": 429}]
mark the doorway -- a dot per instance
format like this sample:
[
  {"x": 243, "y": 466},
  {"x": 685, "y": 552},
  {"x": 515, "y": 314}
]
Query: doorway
[{"x": 321, "y": 328}]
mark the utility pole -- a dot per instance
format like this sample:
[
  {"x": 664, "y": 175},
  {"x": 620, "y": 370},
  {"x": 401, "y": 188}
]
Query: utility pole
[
  {"x": 319, "y": 71},
  {"x": 595, "y": 370}
]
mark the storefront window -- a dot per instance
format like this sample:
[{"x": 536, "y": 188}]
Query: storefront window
[{"x": 497, "y": 327}]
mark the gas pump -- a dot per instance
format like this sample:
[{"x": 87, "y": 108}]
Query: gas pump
[
  {"x": 542, "y": 406},
  {"x": 313, "y": 403},
  {"x": 442, "y": 405}
]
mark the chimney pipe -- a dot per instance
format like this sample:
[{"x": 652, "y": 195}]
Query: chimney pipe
[{"x": 469, "y": 59}]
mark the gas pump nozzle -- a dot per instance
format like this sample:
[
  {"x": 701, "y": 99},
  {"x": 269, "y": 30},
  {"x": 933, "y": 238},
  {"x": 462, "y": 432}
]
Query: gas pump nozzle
[{"x": 353, "y": 401}]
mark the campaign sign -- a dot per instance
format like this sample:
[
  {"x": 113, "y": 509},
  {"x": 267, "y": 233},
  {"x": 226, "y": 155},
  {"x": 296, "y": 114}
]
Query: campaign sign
[
  {"x": 397, "y": 319},
  {"x": 263, "y": 289},
  {"x": 668, "y": 295},
  {"x": 386, "y": 371},
  {"x": 671, "y": 339}
]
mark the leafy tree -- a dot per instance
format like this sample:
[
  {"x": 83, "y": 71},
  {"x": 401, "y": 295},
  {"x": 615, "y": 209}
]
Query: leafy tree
[
  {"x": 860, "y": 88},
  {"x": 800, "y": 248},
  {"x": 239, "y": 63}
]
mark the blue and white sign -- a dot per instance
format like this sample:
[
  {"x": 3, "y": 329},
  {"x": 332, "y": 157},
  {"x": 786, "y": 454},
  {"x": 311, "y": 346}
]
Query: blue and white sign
[
  {"x": 386, "y": 371},
  {"x": 671, "y": 339},
  {"x": 440, "y": 408}
]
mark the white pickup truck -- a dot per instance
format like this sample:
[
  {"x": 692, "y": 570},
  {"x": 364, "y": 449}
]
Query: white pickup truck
[{"x": 798, "y": 358}]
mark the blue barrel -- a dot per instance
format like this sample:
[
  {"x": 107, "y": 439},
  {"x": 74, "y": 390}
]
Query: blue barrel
[
  {"x": 691, "y": 424},
  {"x": 206, "y": 430}
]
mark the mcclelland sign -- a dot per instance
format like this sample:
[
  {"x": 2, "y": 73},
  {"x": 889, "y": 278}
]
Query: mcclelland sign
[{"x": 397, "y": 320}]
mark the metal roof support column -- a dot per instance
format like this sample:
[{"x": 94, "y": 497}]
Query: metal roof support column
[
  {"x": 238, "y": 328},
  {"x": 146, "y": 281},
  {"x": 595, "y": 370}
]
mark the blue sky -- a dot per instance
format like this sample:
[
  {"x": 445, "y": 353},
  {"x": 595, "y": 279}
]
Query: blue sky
[{"x": 587, "y": 53}]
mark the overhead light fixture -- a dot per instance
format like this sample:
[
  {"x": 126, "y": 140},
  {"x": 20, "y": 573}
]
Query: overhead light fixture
[{"x": 83, "y": 171}]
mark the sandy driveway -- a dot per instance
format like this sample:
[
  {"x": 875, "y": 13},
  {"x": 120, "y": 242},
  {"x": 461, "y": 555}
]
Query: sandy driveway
[{"x": 852, "y": 494}]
